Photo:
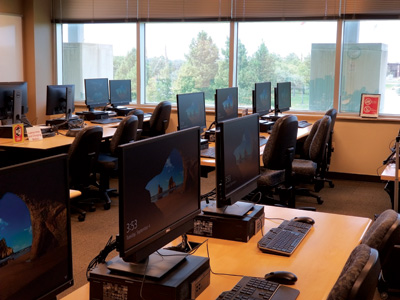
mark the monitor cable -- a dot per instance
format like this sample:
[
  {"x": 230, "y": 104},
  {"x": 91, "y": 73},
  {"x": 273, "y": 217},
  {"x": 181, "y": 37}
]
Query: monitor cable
[{"x": 101, "y": 257}]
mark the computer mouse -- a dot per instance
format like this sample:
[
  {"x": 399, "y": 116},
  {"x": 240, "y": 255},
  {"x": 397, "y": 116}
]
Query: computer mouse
[
  {"x": 281, "y": 277},
  {"x": 307, "y": 220}
]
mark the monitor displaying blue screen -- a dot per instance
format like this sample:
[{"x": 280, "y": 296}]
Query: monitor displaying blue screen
[
  {"x": 96, "y": 92},
  {"x": 226, "y": 104},
  {"x": 283, "y": 96},
  {"x": 191, "y": 110},
  {"x": 262, "y": 98},
  {"x": 120, "y": 92}
]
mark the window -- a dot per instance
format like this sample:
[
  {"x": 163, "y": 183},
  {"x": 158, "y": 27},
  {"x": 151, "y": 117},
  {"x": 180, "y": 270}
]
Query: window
[
  {"x": 98, "y": 51},
  {"x": 300, "y": 52},
  {"x": 186, "y": 57},
  {"x": 370, "y": 64}
]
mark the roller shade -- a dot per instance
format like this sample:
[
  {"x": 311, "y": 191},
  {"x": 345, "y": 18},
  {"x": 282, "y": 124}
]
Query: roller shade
[{"x": 370, "y": 8}]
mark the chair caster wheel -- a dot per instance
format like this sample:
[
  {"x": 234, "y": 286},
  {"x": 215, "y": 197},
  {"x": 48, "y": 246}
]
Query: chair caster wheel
[
  {"x": 384, "y": 295},
  {"x": 319, "y": 200},
  {"x": 81, "y": 218},
  {"x": 107, "y": 206},
  {"x": 331, "y": 185},
  {"x": 92, "y": 208}
]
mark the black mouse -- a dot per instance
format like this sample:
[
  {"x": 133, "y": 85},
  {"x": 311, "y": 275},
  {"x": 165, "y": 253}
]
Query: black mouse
[
  {"x": 307, "y": 220},
  {"x": 282, "y": 277}
]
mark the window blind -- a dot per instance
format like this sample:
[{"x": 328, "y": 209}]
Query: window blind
[{"x": 82, "y": 11}]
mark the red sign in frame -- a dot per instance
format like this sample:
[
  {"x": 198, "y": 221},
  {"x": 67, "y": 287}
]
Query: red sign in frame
[{"x": 370, "y": 105}]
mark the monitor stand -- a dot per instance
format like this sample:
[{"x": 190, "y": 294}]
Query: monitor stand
[
  {"x": 238, "y": 209},
  {"x": 156, "y": 266}
]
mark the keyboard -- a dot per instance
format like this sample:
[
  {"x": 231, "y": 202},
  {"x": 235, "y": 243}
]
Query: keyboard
[
  {"x": 209, "y": 152},
  {"x": 303, "y": 124},
  {"x": 253, "y": 288},
  {"x": 106, "y": 121},
  {"x": 284, "y": 239}
]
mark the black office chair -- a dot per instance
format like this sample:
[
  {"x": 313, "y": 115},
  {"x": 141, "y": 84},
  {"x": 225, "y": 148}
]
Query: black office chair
[
  {"x": 359, "y": 277},
  {"x": 159, "y": 120},
  {"x": 82, "y": 157},
  {"x": 277, "y": 159},
  {"x": 107, "y": 162},
  {"x": 384, "y": 235},
  {"x": 311, "y": 167},
  {"x": 140, "y": 115},
  {"x": 332, "y": 113}
]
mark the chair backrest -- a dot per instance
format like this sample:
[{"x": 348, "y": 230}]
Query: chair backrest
[
  {"x": 278, "y": 153},
  {"x": 384, "y": 235},
  {"x": 83, "y": 154},
  {"x": 307, "y": 143},
  {"x": 140, "y": 115},
  {"x": 317, "y": 151},
  {"x": 160, "y": 118},
  {"x": 125, "y": 133},
  {"x": 332, "y": 113},
  {"x": 359, "y": 277}
]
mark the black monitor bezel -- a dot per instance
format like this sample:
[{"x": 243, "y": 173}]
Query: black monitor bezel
[
  {"x": 218, "y": 101},
  {"x": 224, "y": 198},
  {"x": 35, "y": 165},
  {"x": 92, "y": 104},
  {"x": 52, "y": 91},
  {"x": 9, "y": 87},
  {"x": 113, "y": 100},
  {"x": 280, "y": 87},
  {"x": 186, "y": 97},
  {"x": 147, "y": 246},
  {"x": 258, "y": 87}
]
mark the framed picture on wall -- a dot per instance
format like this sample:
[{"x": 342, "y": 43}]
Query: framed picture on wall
[{"x": 370, "y": 105}]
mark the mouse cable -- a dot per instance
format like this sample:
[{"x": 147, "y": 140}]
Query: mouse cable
[{"x": 101, "y": 257}]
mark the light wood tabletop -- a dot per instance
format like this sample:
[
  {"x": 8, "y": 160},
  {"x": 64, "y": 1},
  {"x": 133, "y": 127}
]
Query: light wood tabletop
[{"x": 317, "y": 261}]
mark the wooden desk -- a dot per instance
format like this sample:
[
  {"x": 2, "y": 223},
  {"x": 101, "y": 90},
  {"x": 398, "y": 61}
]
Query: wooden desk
[
  {"x": 389, "y": 172},
  {"x": 317, "y": 262},
  {"x": 210, "y": 162}
]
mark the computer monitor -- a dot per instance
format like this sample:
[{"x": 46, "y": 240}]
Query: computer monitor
[
  {"x": 120, "y": 92},
  {"x": 96, "y": 93},
  {"x": 10, "y": 109},
  {"x": 237, "y": 162},
  {"x": 191, "y": 110},
  {"x": 159, "y": 197},
  {"x": 226, "y": 104},
  {"x": 262, "y": 98},
  {"x": 283, "y": 100},
  {"x": 35, "y": 230},
  {"x": 60, "y": 100}
]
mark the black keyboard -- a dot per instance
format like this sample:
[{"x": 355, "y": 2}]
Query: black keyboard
[
  {"x": 106, "y": 121},
  {"x": 253, "y": 288},
  {"x": 284, "y": 239},
  {"x": 303, "y": 123},
  {"x": 209, "y": 152}
]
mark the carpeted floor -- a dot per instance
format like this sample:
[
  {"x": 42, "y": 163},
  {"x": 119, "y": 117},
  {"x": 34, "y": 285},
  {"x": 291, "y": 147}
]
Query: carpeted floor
[{"x": 347, "y": 197}]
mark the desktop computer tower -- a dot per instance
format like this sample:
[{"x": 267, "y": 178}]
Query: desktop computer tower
[
  {"x": 230, "y": 228},
  {"x": 186, "y": 281}
]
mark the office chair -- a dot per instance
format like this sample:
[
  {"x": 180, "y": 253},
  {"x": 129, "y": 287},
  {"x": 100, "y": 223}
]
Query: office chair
[
  {"x": 384, "y": 235},
  {"x": 277, "y": 160},
  {"x": 107, "y": 162},
  {"x": 82, "y": 157},
  {"x": 359, "y": 277},
  {"x": 311, "y": 167},
  {"x": 140, "y": 115},
  {"x": 159, "y": 120},
  {"x": 332, "y": 113}
]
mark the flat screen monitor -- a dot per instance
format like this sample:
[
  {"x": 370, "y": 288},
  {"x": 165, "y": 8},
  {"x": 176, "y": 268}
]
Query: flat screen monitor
[
  {"x": 262, "y": 98},
  {"x": 191, "y": 110},
  {"x": 35, "y": 230},
  {"x": 96, "y": 93},
  {"x": 120, "y": 92},
  {"x": 226, "y": 104},
  {"x": 237, "y": 165},
  {"x": 7, "y": 105},
  {"x": 283, "y": 99},
  {"x": 60, "y": 100},
  {"x": 159, "y": 195}
]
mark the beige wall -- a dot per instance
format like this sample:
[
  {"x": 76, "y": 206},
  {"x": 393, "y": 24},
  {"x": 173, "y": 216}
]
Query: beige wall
[{"x": 360, "y": 145}]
